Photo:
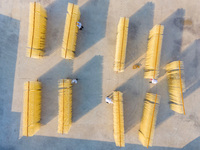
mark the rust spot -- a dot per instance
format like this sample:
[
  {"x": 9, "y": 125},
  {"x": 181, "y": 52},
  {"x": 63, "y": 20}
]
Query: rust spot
[{"x": 188, "y": 22}]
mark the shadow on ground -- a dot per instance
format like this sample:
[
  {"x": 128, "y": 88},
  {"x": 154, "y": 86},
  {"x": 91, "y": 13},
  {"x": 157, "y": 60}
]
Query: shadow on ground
[
  {"x": 132, "y": 101},
  {"x": 164, "y": 111},
  {"x": 88, "y": 92},
  {"x": 190, "y": 58},
  {"x": 139, "y": 25},
  {"x": 51, "y": 143},
  {"x": 9, "y": 121},
  {"x": 56, "y": 14},
  {"x": 50, "y": 89},
  {"x": 172, "y": 37},
  {"x": 93, "y": 18}
]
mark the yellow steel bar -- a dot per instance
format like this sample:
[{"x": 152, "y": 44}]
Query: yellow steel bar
[
  {"x": 152, "y": 122},
  {"x": 122, "y": 43},
  {"x": 33, "y": 28},
  {"x": 63, "y": 108},
  {"x": 69, "y": 31},
  {"x": 181, "y": 86},
  {"x": 157, "y": 52},
  {"x": 31, "y": 106},
  {"x": 28, "y": 107},
  {"x": 119, "y": 119}
]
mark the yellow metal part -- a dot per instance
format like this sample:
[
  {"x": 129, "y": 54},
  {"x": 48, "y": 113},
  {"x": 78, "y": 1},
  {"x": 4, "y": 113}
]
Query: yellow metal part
[
  {"x": 147, "y": 125},
  {"x": 122, "y": 35},
  {"x": 37, "y": 31},
  {"x": 176, "y": 86},
  {"x": 31, "y": 108},
  {"x": 65, "y": 106},
  {"x": 71, "y": 31},
  {"x": 136, "y": 66},
  {"x": 153, "y": 52},
  {"x": 118, "y": 118}
]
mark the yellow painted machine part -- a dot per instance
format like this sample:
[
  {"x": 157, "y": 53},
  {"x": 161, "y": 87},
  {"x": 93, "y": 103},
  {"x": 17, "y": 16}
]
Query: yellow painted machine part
[
  {"x": 65, "y": 106},
  {"x": 122, "y": 35},
  {"x": 153, "y": 52},
  {"x": 118, "y": 118},
  {"x": 176, "y": 86},
  {"x": 31, "y": 108},
  {"x": 147, "y": 125},
  {"x": 37, "y": 31},
  {"x": 70, "y": 32}
]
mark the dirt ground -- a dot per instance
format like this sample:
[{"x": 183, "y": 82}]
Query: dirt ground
[{"x": 92, "y": 126}]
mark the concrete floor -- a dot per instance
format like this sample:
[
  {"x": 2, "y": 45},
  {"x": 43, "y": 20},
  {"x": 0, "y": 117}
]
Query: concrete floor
[{"x": 92, "y": 126}]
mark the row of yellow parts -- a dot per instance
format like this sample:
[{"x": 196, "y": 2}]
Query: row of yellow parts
[
  {"x": 37, "y": 31},
  {"x": 32, "y": 107},
  {"x": 37, "y": 34}
]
